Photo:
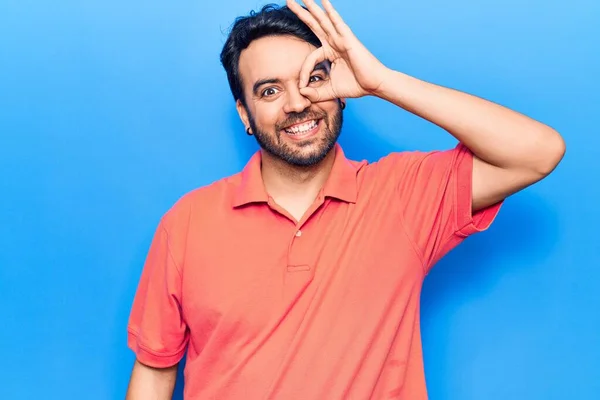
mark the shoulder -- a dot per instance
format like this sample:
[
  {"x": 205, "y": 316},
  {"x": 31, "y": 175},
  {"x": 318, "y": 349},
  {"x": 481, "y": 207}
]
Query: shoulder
[
  {"x": 400, "y": 163},
  {"x": 392, "y": 165},
  {"x": 201, "y": 202}
]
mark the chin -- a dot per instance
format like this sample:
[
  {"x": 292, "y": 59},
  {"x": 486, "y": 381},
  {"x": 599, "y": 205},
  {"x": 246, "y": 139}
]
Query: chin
[
  {"x": 308, "y": 157},
  {"x": 302, "y": 150}
]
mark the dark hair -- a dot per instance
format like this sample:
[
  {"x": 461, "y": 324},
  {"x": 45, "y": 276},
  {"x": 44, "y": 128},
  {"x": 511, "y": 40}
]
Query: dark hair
[{"x": 271, "y": 20}]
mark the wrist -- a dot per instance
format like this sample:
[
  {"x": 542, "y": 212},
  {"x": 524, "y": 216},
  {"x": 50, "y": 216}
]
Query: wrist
[{"x": 391, "y": 81}]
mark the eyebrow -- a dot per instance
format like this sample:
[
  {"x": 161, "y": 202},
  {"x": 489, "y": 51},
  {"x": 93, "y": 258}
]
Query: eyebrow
[
  {"x": 261, "y": 82},
  {"x": 322, "y": 66}
]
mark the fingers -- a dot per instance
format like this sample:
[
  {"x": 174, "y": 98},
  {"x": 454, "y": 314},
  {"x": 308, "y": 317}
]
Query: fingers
[
  {"x": 306, "y": 17},
  {"x": 335, "y": 18},
  {"x": 313, "y": 59},
  {"x": 311, "y": 94},
  {"x": 321, "y": 17},
  {"x": 322, "y": 92},
  {"x": 316, "y": 95}
]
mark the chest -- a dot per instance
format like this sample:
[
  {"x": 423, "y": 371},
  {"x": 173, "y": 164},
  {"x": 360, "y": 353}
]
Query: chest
[{"x": 261, "y": 269}]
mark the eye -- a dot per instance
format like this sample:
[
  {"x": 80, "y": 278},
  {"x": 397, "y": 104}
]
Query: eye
[
  {"x": 269, "y": 92},
  {"x": 315, "y": 78}
]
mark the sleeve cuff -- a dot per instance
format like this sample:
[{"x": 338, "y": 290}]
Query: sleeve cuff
[
  {"x": 152, "y": 358},
  {"x": 467, "y": 222}
]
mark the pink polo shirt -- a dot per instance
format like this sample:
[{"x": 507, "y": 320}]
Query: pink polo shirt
[{"x": 324, "y": 308}]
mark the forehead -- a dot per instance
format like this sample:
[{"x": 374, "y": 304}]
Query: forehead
[{"x": 278, "y": 57}]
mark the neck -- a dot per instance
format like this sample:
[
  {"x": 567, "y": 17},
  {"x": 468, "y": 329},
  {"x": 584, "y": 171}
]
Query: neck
[{"x": 285, "y": 181}]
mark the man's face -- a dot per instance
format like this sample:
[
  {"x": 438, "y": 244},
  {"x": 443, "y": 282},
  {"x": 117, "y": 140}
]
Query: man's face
[{"x": 285, "y": 123}]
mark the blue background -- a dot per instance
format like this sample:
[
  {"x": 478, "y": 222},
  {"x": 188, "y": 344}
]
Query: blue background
[{"x": 110, "y": 111}]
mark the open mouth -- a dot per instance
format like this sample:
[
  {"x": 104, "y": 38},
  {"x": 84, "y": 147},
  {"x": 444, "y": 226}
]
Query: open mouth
[{"x": 304, "y": 129}]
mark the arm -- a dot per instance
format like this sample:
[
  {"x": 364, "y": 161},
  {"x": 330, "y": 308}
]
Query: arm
[
  {"x": 511, "y": 150},
  {"x": 156, "y": 331},
  {"x": 149, "y": 383}
]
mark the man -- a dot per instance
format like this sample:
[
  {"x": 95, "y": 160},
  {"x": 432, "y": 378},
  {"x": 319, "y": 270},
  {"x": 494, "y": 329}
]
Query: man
[{"x": 300, "y": 277}]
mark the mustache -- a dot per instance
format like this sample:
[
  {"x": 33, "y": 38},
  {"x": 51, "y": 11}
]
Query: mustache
[{"x": 294, "y": 118}]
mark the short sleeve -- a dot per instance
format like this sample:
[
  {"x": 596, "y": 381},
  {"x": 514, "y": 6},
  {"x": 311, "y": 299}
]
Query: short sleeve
[
  {"x": 157, "y": 332},
  {"x": 435, "y": 194}
]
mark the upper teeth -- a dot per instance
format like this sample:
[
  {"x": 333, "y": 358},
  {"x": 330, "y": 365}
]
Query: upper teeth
[{"x": 302, "y": 128}]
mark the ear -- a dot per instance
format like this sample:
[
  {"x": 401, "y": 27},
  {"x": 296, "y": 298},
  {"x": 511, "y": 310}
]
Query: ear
[{"x": 243, "y": 113}]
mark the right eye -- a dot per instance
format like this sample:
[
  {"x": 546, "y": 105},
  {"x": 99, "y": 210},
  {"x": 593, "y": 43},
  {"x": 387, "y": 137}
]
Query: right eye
[{"x": 269, "y": 92}]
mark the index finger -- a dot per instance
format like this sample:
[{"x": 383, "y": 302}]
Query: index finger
[{"x": 311, "y": 61}]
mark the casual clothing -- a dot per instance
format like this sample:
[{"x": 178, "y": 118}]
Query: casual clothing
[{"x": 324, "y": 308}]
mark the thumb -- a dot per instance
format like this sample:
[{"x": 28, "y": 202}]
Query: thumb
[
  {"x": 311, "y": 93},
  {"x": 316, "y": 94}
]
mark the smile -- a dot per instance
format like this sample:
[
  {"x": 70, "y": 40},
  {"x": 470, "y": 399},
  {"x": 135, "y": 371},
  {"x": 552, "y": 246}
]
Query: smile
[{"x": 302, "y": 128}]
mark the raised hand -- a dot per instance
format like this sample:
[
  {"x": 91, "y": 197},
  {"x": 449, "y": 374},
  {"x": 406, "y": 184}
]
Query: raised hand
[{"x": 355, "y": 72}]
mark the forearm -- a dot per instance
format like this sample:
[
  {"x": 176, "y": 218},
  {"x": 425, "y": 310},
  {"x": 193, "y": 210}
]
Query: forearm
[
  {"x": 148, "y": 383},
  {"x": 495, "y": 134}
]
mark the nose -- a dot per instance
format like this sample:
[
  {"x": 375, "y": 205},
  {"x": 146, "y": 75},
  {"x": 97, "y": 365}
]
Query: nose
[{"x": 295, "y": 102}]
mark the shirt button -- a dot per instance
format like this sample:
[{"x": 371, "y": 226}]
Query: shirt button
[{"x": 298, "y": 233}]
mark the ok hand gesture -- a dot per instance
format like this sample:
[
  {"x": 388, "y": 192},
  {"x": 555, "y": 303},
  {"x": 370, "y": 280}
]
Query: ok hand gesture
[{"x": 355, "y": 72}]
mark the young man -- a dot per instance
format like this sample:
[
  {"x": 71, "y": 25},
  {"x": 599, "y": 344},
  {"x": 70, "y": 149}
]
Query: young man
[{"x": 300, "y": 277}]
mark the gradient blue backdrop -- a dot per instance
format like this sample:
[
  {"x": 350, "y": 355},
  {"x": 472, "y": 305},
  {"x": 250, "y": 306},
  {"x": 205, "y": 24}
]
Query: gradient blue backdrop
[{"x": 110, "y": 111}]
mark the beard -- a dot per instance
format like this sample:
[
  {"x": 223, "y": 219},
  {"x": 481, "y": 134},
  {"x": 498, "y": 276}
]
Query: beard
[{"x": 274, "y": 144}]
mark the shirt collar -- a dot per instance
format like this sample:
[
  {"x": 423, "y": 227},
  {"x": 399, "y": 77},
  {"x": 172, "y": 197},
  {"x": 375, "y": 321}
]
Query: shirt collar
[{"x": 341, "y": 183}]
